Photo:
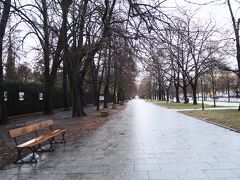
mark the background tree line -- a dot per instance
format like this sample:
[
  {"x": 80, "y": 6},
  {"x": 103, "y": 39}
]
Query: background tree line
[{"x": 190, "y": 51}]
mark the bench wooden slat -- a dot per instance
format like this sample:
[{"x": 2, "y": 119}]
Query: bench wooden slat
[
  {"x": 30, "y": 128},
  {"x": 36, "y": 143},
  {"x": 29, "y": 143},
  {"x": 43, "y": 138}
]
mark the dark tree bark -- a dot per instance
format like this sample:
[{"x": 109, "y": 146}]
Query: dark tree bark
[
  {"x": 107, "y": 80},
  {"x": 114, "y": 82},
  {"x": 83, "y": 52},
  {"x": 237, "y": 40},
  {"x": 114, "y": 93},
  {"x": 3, "y": 24},
  {"x": 159, "y": 91},
  {"x": 184, "y": 88},
  {"x": 194, "y": 91},
  {"x": 99, "y": 86},
  {"x": 177, "y": 93},
  {"x": 65, "y": 87},
  {"x": 97, "y": 82},
  {"x": 50, "y": 72},
  {"x": 177, "y": 86},
  {"x": 167, "y": 95}
]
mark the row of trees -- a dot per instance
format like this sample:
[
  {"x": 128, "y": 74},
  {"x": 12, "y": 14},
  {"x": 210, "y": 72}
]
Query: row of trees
[
  {"x": 92, "y": 43},
  {"x": 95, "y": 45},
  {"x": 187, "y": 52},
  {"x": 221, "y": 84}
]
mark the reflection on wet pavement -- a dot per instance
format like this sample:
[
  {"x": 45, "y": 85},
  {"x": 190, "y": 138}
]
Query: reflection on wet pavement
[{"x": 144, "y": 141}]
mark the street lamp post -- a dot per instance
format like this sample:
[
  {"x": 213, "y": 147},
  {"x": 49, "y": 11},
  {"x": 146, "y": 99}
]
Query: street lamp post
[
  {"x": 202, "y": 94},
  {"x": 214, "y": 95}
]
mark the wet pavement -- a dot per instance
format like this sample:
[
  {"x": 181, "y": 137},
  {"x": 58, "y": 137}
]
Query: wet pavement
[{"x": 145, "y": 141}]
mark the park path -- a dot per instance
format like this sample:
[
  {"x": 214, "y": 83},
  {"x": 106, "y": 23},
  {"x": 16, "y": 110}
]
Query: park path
[{"x": 145, "y": 141}]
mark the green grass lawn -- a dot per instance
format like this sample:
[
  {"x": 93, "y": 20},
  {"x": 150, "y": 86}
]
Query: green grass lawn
[
  {"x": 229, "y": 118},
  {"x": 173, "y": 105}
]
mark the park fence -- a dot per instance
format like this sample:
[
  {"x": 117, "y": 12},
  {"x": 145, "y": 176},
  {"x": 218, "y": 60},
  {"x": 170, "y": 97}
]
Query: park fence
[{"x": 23, "y": 98}]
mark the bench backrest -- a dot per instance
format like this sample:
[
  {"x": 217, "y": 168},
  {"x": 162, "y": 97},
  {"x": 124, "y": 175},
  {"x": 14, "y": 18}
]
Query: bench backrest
[{"x": 30, "y": 128}]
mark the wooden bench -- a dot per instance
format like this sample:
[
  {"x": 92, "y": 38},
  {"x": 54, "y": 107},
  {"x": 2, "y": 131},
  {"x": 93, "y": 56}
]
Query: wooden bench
[
  {"x": 35, "y": 144},
  {"x": 121, "y": 103},
  {"x": 104, "y": 112}
]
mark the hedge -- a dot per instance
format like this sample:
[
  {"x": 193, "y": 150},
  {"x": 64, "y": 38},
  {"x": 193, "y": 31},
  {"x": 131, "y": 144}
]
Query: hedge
[{"x": 31, "y": 102}]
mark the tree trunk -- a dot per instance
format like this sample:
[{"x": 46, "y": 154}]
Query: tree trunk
[
  {"x": 105, "y": 97},
  {"x": 168, "y": 90},
  {"x": 186, "y": 100},
  {"x": 96, "y": 96},
  {"x": 185, "y": 95},
  {"x": 177, "y": 93},
  {"x": 3, "y": 107},
  {"x": 120, "y": 94},
  {"x": 47, "y": 98},
  {"x": 114, "y": 93},
  {"x": 51, "y": 65},
  {"x": 97, "y": 101},
  {"x": 65, "y": 88},
  {"x": 159, "y": 92},
  {"x": 99, "y": 86},
  {"x": 214, "y": 92},
  {"x": 3, "y": 24},
  {"x": 77, "y": 102},
  {"x": 98, "y": 90},
  {"x": 106, "y": 92},
  {"x": 164, "y": 95},
  {"x": 236, "y": 32},
  {"x": 194, "y": 91},
  {"x": 167, "y": 94}
]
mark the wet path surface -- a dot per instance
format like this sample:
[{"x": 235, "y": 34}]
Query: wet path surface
[{"x": 144, "y": 141}]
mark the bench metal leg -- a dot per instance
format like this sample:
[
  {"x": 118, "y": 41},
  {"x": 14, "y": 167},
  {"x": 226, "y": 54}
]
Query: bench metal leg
[
  {"x": 51, "y": 145},
  {"x": 33, "y": 159},
  {"x": 63, "y": 141},
  {"x": 19, "y": 156}
]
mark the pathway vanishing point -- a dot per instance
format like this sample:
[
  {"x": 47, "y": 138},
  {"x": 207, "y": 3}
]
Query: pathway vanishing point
[{"x": 144, "y": 142}]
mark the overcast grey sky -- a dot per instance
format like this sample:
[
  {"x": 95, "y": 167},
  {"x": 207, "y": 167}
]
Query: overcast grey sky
[{"x": 217, "y": 11}]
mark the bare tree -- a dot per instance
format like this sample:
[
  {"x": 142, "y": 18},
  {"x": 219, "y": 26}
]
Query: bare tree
[
  {"x": 3, "y": 23},
  {"x": 51, "y": 36}
]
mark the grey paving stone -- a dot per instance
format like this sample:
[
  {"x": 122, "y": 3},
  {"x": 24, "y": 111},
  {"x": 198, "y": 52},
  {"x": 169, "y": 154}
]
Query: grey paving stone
[
  {"x": 135, "y": 175},
  {"x": 224, "y": 165},
  {"x": 146, "y": 167},
  {"x": 194, "y": 174},
  {"x": 144, "y": 142},
  {"x": 162, "y": 175},
  {"x": 221, "y": 174}
]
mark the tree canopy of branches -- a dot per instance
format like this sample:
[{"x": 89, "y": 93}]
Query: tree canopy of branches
[
  {"x": 95, "y": 46},
  {"x": 75, "y": 33}
]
